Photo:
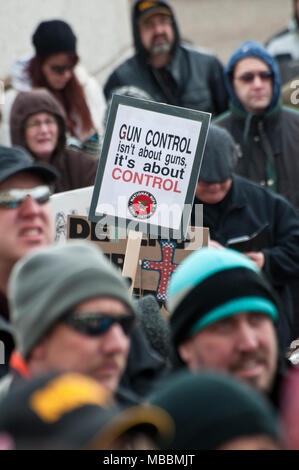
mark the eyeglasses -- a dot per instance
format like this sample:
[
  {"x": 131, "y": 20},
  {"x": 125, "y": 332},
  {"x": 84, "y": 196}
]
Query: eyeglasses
[
  {"x": 61, "y": 69},
  {"x": 98, "y": 323},
  {"x": 12, "y": 198},
  {"x": 250, "y": 76},
  {"x": 37, "y": 124}
]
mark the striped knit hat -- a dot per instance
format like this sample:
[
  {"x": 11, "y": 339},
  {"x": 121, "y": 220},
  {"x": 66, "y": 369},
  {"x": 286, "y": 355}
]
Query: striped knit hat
[{"x": 212, "y": 284}]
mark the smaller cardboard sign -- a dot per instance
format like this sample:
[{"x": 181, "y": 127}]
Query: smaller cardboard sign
[
  {"x": 157, "y": 260},
  {"x": 149, "y": 167},
  {"x": 63, "y": 204}
]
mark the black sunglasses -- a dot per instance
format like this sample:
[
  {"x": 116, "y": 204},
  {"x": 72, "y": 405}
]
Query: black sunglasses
[
  {"x": 250, "y": 76},
  {"x": 60, "y": 69},
  {"x": 12, "y": 198},
  {"x": 98, "y": 323}
]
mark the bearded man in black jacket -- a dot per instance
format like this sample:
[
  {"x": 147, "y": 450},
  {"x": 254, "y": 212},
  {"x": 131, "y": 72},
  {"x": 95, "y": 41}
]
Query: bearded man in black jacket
[{"x": 168, "y": 70}]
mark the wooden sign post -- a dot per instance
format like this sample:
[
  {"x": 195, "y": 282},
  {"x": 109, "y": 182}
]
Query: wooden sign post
[{"x": 132, "y": 256}]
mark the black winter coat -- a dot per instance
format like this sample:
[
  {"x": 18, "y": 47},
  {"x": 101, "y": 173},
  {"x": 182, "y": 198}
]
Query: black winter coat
[
  {"x": 268, "y": 148},
  {"x": 198, "y": 77}
]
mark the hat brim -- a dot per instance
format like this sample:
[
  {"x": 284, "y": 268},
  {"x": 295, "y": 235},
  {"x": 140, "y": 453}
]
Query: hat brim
[
  {"x": 154, "y": 11},
  {"x": 46, "y": 173},
  {"x": 150, "y": 419}
]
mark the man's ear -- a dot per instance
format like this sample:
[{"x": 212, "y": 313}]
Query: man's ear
[{"x": 38, "y": 352}]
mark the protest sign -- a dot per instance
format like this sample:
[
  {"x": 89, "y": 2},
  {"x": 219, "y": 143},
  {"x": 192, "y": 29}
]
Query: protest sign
[
  {"x": 157, "y": 258},
  {"x": 76, "y": 201},
  {"x": 149, "y": 167}
]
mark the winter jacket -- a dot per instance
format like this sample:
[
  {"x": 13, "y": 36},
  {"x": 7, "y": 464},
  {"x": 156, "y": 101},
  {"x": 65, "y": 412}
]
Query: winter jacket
[
  {"x": 247, "y": 208},
  {"x": 268, "y": 148},
  {"x": 77, "y": 170},
  {"x": 196, "y": 76},
  {"x": 284, "y": 46}
]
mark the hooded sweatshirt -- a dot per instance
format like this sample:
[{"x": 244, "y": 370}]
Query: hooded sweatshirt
[
  {"x": 192, "y": 79},
  {"x": 267, "y": 142},
  {"x": 77, "y": 169}
]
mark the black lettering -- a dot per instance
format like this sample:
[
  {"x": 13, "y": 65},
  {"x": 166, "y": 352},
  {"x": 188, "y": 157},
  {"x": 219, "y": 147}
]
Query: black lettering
[{"x": 79, "y": 228}]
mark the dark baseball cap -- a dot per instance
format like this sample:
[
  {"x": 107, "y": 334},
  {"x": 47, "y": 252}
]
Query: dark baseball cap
[
  {"x": 15, "y": 160},
  {"x": 73, "y": 411},
  {"x": 145, "y": 9}
]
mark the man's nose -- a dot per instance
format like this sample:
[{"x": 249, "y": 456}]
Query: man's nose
[
  {"x": 257, "y": 81},
  {"x": 115, "y": 340},
  {"x": 29, "y": 206},
  {"x": 159, "y": 28},
  {"x": 246, "y": 338}
]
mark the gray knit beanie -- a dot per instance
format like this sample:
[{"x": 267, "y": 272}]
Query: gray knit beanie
[
  {"x": 218, "y": 158},
  {"x": 47, "y": 283}
]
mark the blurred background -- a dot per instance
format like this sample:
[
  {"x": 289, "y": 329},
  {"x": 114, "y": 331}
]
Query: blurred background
[{"x": 103, "y": 28}]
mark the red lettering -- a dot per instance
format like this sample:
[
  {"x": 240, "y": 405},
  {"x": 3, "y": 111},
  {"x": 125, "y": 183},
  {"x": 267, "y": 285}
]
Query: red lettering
[
  {"x": 157, "y": 181},
  {"x": 130, "y": 176},
  {"x": 175, "y": 189},
  {"x": 138, "y": 177},
  {"x": 164, "y": 185},
  {"x": 148, "y": 179},
  {"x": 113, "y": 173}
]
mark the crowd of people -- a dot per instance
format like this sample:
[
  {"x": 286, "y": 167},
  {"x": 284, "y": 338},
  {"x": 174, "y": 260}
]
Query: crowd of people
[{"x": 84, "y": 368}]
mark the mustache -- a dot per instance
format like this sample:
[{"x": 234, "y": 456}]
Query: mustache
[
  {"x": 244, "y": 358},
  {"x": 159, "y": 36}
]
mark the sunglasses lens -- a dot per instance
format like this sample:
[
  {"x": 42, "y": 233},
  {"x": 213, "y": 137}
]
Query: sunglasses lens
[
  {"x": 60, "y": 69},
  {"x": 127, "y": 323},
  {"x": 266, "y": 75},
  {"x": 249, "y": 77},
  {"x": 14, "y": 197},
  {"x": 94, "y": 323},
  {"x": 41, "y": 194}
]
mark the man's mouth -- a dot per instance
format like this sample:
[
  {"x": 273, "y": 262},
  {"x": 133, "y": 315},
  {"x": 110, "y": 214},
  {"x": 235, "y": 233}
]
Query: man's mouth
[
  {"x": 31, "y": 231},
  {"x": 249, "y": 369},
  {"x": 160, "y": 39},
  {"x": 34, "y": 234}
]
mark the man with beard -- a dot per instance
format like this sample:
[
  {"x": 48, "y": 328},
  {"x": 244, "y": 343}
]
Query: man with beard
[{"x": 168, "y": 70}]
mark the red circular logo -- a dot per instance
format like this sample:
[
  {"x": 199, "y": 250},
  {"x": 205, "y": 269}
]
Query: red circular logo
[{"x": 142, "y": 205}]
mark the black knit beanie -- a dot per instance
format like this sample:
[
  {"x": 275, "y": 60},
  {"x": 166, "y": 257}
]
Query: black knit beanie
[
  {"x": 217, "y": 163},
  {"x": 52, "y": 37},
  {"x": 209, "y": 410}
]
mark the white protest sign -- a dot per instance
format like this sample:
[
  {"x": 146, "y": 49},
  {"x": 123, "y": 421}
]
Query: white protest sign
[
  {"x": 75, "y": 202},
  {"x": 149, "y": 166}
]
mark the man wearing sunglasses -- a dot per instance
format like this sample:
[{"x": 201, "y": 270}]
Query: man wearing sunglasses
[
  {"x": 266, "y": 132},
  {"x": 71, "y": 311},
  {"x": 25, "y": 221}
]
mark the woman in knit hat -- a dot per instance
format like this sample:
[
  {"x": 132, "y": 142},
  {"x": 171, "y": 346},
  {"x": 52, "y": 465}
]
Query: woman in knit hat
[{"x": 55, "y": 67}]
